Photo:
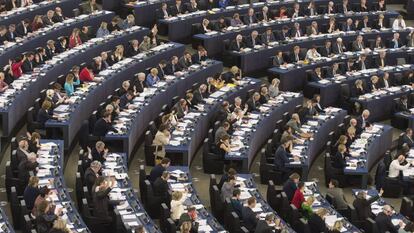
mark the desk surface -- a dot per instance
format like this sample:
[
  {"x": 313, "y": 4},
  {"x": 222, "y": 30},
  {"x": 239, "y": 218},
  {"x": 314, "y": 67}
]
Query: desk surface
[
  {"x": 50, "y": 173},
  {"x": 180, "y": 181},
  {"x": 126, "y": 203}
]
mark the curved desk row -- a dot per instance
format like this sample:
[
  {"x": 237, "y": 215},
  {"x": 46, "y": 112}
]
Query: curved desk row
[
  {"x": 294, "y": 77},
  {"x": 144, "y": 11},
  {"x": 381, "y": 103},
  {"x": 88, "y": 99},
  {"x": 180, "y": 27},
  {"x": 330, "y": 88},
  {"x": 250, "y": 61},
  {"x": 195, "y": 125},
  {"x": 214, "y": 42},
  {"x": 367, "y": 150},
  {"x": 254, "y": 130},
  {"x": 320, "y": 126},
  {"x": 249, "y": 188},
  {"x": 149, "y": 103},
  {"x": 180, "y": 180},
  {"x": 50, "y": 173},
  {"x": 41, "y": 8},
  {"x": 26, "y": 89},
  {"x": 128, "y": 209},
  {"x": 311, "y": 189},
  {"x": 40, "y": 37}
]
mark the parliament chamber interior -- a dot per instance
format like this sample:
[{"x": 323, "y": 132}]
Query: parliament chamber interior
[{"x": 239, "y": 116}]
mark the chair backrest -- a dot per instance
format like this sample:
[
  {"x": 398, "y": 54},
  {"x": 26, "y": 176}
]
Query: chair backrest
[
  {"x": 142, "y": 178},
  {"x": 164, "y": 215},
  {"x": 406, "y": 208}
]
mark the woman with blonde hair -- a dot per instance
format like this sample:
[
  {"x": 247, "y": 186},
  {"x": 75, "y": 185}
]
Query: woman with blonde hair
[
  {"x": 306, "y": 207},
  {"x": 60, "y": 226},
  {"x": 152, "y": 77},
  {"x": 274, "y": 88},
  {"x": 185, "y": 227},
  {"x": 103, "y": 30},
  {"x": 74, "y": 39},
  {"x": 69, "y": 85},
  {"x": 337, "y": 227},
  {"x": 145, "y": 44},
  {"x": 177, "y": 206},
  {"x": 118, "y": 54}
]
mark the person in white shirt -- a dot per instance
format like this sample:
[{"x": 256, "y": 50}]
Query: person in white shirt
[
  {"x": 312, "y": 54},
  {"x": 396, "y": 167},
  {"x": 177, "y": 205},
  {"x": 398, "y": 23}
]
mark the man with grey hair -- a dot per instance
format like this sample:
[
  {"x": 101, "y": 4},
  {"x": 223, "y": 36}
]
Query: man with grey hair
[
  {"x": 384, "y": 223},
  {"x": 97, "y": 65},
  {"x": 104, "y": 59},
  {"x": 237, "y": 44},
  {"x": 253, "y": 103},
  {"x": 92, "y": 173},
  {"x": 99, "y": 152},
  {"x": 199, "y": 94},
  {"x": 339, "y": 47},
  {"x": 253, "y": 40},
  {"x": 268, "y": 224},
  {"x": 139, "y": 83}
]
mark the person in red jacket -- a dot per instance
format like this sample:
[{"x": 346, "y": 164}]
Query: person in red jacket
[
  {"x": 86, "y": 74},
  {"x": 16, "y": 67},
  {"x": 298, "y": 197},
  {"x": 74, "y": 39}
]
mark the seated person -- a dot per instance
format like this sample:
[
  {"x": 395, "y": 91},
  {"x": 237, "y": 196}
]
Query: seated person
[
  {"x": 407, "y": 138},
  {"x": 126, "y": 99},
  {"x": 91, "y": 174},
  {"x": 31, "y": 192},
  {"x": 86, "y": 74},
  {"x": 296, "y": 56},
  {"x": 188, "y": 220},
  {"x": 338, "y": 194},
  {"x": 46, "y": 216},
  {"x": 362, "y": 121},
  {"x": 160, "y": 188},
  {"x": 399, "y": 23},
  {"x": 402, "y": 104},
  {"x": 395, "y": 42},
  {"x": 386, "y": 82},
  {"x": 290, "y": 186},
  {"x": 233, "y": 75},
  {"x": 103, "y": 126},
  {"x": 298, "y": 197},
  {"x": 249, "y": 217},
  {"x": 282, "y": 156},
  {"x": 264, "y": 95},
  {"x": 221, "y": 25},
  {"x": 317, "y": 221},
  {"x": 236, "y": 21},
  {"x": 206, "y": 26},
  {"x": 181, "y": 108},
  {"x": 363, "y": 206},
  {"x": 237, "y": 44},
  {"x": 46, "y": 113},
  {"x": 358, "y": 89},
  {"x": 326, "y": 50},
  {"x": 374, "y": 85},
  {"x": 253, "y": 40},
  {"x": 253, "y": 103},
  {"x": 397, "y": 165},
  {"x": 381, "y": 61},
  {"x": 236, "y": 203},
  {"x": 312, "y": 54},
  {"x": 152, "y": 78},
  {"x": 339, "y": 160},
  {"x": 316, "y": 75},
  {"x": 383, "y": 220},
  {"x": 295, "y": 124},
  {"x": 306, "y": 207},
  {"x": 279, "y": 60},
  {"x": 358, "y": 44},
  {"x": 250, "y": 18},
  {"x": 173, "y": 66}
]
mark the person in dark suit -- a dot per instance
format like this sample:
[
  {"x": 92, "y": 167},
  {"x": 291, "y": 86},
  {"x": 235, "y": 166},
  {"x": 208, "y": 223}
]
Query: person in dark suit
[
  {"x": 28, "y": 64},
  {"x": 316, "y": 221},
  {"x": 139, "y": 83},
  {"x": 375, "y": 84},
  {"x": 173, "y": 66},
  {"x": 45, "y": 216},
  {"x": 282, "y": 156},
  {"x": 334, "y": 70},
  {"x": 290, "y": 186},
  {"x": 185, "y": 61},
  {"x": 253, "y": 103},
  {"x": 316, "y": 75},
  {"x": 339, "y": 159},
  {"x": 99, "y": 152},
  {"x": 345, "y": 7},
  {"x": 103, "y": 126},
  {"x": 178, "y": 8},
  {"x": 23, "y": 28},
  {"x": 395, "y": 42},
  {"x": 296, "y": 11},
  {"x": 50, "y": 49},
  {"x": 362, "y": 63},
  {"x": 283, "y": 34},
  {"x": 386, "y": 81},
  {"x": 163, "y": 12},
  {"x": 249, "y": 217},
  {"x": 24, "y": 169},
  {"x": 296, "y": 56},
  {"x": 11, "y": 33},
  {"x": 362, "y": 6},
  {"x": 296, "y": 31},
  {"x": 384, "y": 223},
  {"x": 380, "y": 6},
  {"x": 31, "y": 192},
  {"x": 200, "y": 56},
  {"x": 126, "y": 99},
  {"x": 253, "y": 40},
  {"x": 358, "y": 44},
  {"x": 223, "y": 112},
  {"x": 268, "y": 36},
  {"x": 45, "y": 113},
  {"x": 221, "y": 25},
  {"x": 330, "y": 9},
  {"x": 362, "y": 121},
  {"x": 339, "y": 47},
  {"x": 181, "y": 108},
  {"x": 237, "y": 44},
  {"x": 200, "y": 94},
  {"x": 192, "y": 6},
  {"x": 326, "y": 51},
  {"x": 279, "y": 60},
  {"x": 265, "y": 15},
  {"x": 407, "y": 138},
  {"x": 250, "y": 18},
  {"x": 267, "y": 225},
  {"x": 402, "y": 104},
  {"x": 91, "y": 174},
  {"x": 381, "y": 60},
  {"x": 58, "y": 16},
  {"x": 159, "y": 169},
  {"x": 160, "y": 188},
  {"x": 348, "y": 25},
  {"x": 100, "y": 198}
]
